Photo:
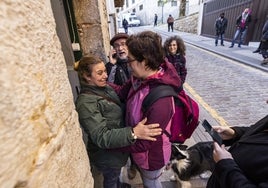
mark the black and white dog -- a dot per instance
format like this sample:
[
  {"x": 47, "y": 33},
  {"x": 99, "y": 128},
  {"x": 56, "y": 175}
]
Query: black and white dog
[{"x": 192, "y": 161}]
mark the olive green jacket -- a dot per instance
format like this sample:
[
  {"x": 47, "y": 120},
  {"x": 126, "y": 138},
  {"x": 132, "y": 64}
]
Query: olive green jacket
[{"x": 103, "y": 121}]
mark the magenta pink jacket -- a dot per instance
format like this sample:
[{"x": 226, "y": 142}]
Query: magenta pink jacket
[{"x": 150, "y": 155}]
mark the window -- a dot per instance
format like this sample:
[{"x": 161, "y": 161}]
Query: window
[
  {"x": 141, "y": 7},
  {"x": 173, "y": 3},
  {"x": 134, "y": 10},
  {"x": 133, "y": 1},
  {"x": 127, "y": 3}
]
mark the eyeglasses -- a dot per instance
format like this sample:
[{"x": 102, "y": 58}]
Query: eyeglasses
[{"x": 117, "y": 45}]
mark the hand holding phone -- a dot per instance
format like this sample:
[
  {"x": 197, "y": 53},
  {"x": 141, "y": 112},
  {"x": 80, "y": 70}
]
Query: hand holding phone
[{"x": 215, "y": 136}]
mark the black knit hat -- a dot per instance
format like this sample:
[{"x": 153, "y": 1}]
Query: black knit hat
[{"x": 118, "y": 36}]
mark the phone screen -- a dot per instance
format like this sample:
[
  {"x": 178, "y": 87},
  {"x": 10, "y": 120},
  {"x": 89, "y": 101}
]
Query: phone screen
[{"x": 215, "y": 136}]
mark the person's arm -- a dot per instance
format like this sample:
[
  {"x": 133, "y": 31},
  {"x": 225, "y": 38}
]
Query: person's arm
[
  {"x": 96, "y": 126},
  {"x": 230, "y": 134},
  {"x": 228, "y": 172},
  {"x": 122, "y": 91},
  {"x": 111, "y": 65},
  {"x": 153, "y": 117},
  {"x": 183, "y": 69}
]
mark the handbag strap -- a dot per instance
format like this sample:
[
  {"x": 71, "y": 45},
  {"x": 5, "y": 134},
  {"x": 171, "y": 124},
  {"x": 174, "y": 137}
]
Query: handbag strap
[{"x": 103, "y": 96}]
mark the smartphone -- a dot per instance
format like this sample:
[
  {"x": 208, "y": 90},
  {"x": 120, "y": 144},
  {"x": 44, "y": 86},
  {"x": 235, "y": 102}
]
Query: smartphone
[
  {"x": 114, "y": 56},
  {"x": 215, "y": 136}
]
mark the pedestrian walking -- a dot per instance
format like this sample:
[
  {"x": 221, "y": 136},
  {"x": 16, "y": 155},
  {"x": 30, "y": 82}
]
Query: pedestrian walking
[
  {"x": 242, "y": 23},
  {"x": 155, "y": 19},
  {"x": 170, "y": 22},
  {"x": 125, "y": 25},
  {"x": 220, "y": 27}
]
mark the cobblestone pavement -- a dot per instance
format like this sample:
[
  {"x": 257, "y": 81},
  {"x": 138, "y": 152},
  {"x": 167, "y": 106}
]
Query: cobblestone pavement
[{"x": 231, "y": 88}]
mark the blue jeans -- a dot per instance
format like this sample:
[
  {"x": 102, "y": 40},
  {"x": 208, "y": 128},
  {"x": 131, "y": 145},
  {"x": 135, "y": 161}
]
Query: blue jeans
[
  {"x": 241, "y": 33},
  {"x": 221, "y": 36},
  {"x": 151, "y": 178},
  {"x": 105, "y": 177}
]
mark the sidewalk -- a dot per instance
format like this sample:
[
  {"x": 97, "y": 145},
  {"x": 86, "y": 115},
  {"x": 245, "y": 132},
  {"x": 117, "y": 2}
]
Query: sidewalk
[{"x": 243, "y": 55}]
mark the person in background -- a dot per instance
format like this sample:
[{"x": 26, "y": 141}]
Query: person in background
[
  {"x": 242, "y": 23},
  {"x": 102, "y": 118},
  {"x": 245, "y": 162},
  {"x": 155, "y": 19},
  {"x": 125, "y": 25},
  {"x": 264, "y": 43},
  {"x": 170, "y": 22},
  {"x": 118, "y": 74},
  {"x": 220, "y": 27},
  {"x": 117, "y": 68},
  {"x": 148, "y": 69},
  {"x": 175, "y": 53}
]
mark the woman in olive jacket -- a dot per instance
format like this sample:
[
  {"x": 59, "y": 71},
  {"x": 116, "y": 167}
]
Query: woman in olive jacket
[
  {"x": 246, "y": 163},
  {"x": 101, "y": 117}
]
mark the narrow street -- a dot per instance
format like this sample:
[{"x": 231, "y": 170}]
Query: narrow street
[{"x": 229, "y": 92}]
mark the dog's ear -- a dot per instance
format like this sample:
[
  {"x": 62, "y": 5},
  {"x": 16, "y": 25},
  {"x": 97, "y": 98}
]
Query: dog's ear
[
  {"x": 177, "y": 153},
  {"x": 183, "y": 147},
  {"x": 180, "y": 146}
]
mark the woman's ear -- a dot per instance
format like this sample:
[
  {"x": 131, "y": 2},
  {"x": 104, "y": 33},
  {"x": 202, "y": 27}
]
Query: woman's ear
[{"x": 86, "y": 77}]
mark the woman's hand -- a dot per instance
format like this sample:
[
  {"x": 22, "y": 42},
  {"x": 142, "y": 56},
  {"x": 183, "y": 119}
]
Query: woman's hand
[
  {"x": 147, "y": 132},
  {"x": 220, "y": 153},
  {"x": 226, "y": 133}
]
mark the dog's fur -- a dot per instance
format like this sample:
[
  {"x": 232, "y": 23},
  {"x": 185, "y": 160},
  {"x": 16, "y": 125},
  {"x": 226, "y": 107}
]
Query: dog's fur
[{"x": 193, "y": 161}]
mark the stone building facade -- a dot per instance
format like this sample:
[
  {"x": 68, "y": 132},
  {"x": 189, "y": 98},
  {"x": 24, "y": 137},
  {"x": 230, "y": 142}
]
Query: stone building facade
[
  {"x": 41, "y": 141},
  {"x": 187, "y": 24}
]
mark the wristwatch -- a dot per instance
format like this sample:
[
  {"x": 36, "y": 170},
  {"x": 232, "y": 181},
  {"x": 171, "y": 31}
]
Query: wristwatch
[{"x": 133, "y": 134}]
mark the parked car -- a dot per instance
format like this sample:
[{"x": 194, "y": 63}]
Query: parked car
[{"x": 132, "y": 19}]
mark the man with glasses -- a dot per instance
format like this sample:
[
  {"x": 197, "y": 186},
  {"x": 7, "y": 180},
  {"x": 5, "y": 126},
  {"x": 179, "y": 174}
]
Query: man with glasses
[
  {"x": 117, "y": 69},
  {"x": 118, "y": 73}
]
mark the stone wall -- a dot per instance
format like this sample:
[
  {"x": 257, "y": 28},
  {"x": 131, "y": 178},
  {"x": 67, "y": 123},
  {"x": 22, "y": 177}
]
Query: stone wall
[
  {"x": 41, "y": 141},
  {"x": 187, "y": 24},
  {"x": 92, "y": 22}
]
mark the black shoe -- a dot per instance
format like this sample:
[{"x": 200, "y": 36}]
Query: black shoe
[
  {"x": 222, "y": 44},
  {"x": 231, "y": 46},
  {"x": 256, "y": 51},
  {"x": 239, "y": 46}
]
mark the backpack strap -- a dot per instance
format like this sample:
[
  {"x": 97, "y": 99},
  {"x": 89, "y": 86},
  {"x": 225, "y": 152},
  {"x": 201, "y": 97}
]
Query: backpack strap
[
  {"x": 160, "y": 92},
  {"x": 157, "y": 93}
]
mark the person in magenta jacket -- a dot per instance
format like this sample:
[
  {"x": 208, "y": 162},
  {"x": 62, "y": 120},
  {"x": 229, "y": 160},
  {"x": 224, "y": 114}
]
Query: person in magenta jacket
[{"x": 148, "y": 69}]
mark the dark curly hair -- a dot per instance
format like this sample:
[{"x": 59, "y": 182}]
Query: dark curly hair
[
  {"x": 146, "y": 45},
  {"x": 180, "y": 43}
]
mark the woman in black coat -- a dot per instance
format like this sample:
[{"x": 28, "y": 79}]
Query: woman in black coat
[{"x": 245, "y": 164}]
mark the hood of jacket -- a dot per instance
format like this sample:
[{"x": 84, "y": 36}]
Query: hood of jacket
[{"x": 167, "y": 74}]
